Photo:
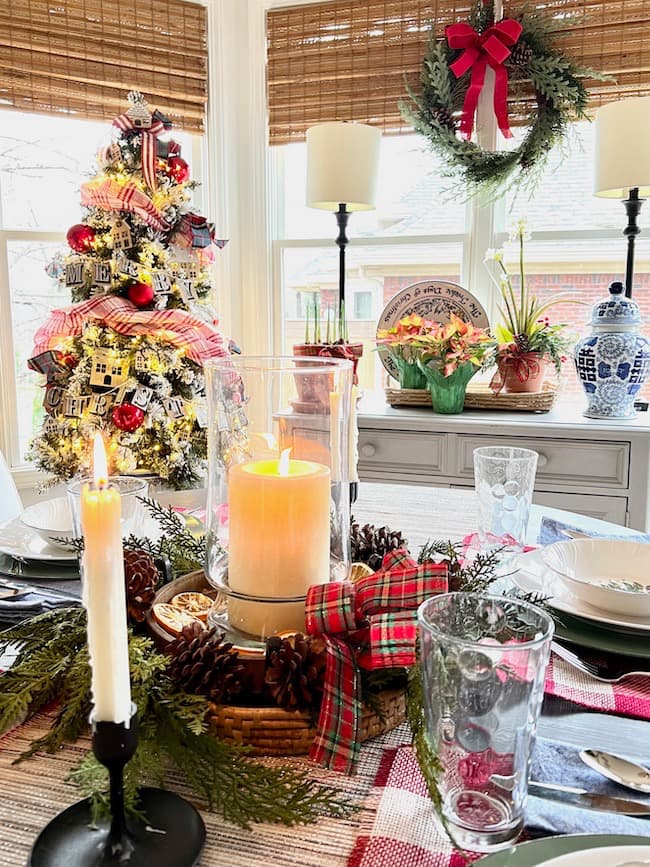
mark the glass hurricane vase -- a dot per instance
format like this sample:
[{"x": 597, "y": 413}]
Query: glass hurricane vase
[
  {"x": 278, "y": 513},
  {"x": 448, "y": 392}
]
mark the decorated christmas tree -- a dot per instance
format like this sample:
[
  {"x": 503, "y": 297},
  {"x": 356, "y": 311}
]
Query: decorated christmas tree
[{"x": 126, "y": 357}]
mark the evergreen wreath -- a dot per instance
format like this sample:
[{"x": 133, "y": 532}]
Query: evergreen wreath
[{"x": 436, "y": 112}]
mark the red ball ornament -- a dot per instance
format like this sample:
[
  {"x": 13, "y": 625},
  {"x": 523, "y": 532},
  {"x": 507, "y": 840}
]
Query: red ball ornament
[
  {"x": 69, "y": 360},
  {"x": 141, "y": 294},
  {"x": 178, "y": 169},
  {"x": 80, "y": 237},
  {"x": 127, "y": 417}
]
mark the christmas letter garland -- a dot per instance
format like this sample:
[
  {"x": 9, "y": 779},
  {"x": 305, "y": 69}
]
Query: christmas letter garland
[{"x": 518, "y": 49}]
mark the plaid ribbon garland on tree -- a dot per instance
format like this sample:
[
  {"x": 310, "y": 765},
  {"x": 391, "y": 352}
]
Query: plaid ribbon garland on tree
[
  {"x": 113, "y": 196},
  {"x": 200, "y": 340},
  {"x": 378, "y": 614}
]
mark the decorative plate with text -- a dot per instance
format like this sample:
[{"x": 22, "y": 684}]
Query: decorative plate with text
[{"x": 431, "y": 299}]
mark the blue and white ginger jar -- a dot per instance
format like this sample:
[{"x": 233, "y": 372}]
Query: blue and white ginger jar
[{"x": 614, "y": 360}]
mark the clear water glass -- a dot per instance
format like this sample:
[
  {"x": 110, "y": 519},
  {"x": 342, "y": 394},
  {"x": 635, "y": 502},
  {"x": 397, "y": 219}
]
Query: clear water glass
[
  {"x": 131, "y": 491},
  {"x": 504, "y": 479},
  {"x": 483, "y": 665}
]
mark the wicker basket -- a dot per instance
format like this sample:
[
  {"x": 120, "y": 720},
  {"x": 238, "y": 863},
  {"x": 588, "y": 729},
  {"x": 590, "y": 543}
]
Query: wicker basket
[
  {"x": 479, "y": 396},
  {"x": 271, "y": 731}
]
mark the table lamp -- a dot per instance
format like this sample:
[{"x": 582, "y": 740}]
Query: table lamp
[
  {"x": 623, "y": 163},
  {"x": 342, "y": 162}
]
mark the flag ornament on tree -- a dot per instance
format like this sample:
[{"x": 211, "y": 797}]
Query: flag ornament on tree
[{"x": 126, "y": 357}]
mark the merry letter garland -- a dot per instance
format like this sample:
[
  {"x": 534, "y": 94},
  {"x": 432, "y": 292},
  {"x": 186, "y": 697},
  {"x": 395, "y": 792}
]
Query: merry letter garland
[{"x": 520, "y": 52}]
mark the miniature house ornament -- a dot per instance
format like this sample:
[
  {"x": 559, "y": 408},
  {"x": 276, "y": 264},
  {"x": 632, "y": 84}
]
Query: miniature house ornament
[{"x": 614, "y": 360}]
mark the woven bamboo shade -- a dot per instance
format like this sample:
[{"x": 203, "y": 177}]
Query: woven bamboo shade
[
  {"x": 349, "y": 59},
  {"x": 81, "y": 57}
]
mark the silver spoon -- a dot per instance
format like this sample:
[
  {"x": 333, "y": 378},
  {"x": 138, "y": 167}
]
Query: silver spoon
[{"x": 618, "y": 769}]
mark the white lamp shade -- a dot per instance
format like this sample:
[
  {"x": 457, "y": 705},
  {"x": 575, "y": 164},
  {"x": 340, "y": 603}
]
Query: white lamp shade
[
  {"x": 342, "y": 163},
  {"x": 623, "y": 148}
]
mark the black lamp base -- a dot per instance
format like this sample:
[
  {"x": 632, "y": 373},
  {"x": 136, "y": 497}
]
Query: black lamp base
[{"x": 172, "y": 836}]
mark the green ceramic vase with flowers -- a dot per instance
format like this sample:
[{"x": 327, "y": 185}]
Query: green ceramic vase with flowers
[
  {"x": 448, "y": 392},
  {"x": 449, "y": 355}
]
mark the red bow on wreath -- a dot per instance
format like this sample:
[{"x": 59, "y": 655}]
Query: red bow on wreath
[
  {"x": 490, "y": 48},
  {"x": 370, "y": 624}
]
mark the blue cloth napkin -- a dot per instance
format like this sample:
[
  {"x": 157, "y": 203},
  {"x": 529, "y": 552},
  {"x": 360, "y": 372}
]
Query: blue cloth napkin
[
  {"x": 30, "y": 602},
  {"x": 559, "y": 763},
  {"x": 553, "y": 531}
]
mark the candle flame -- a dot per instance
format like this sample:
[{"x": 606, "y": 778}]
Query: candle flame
[
  {"x": 100, "y": 467},
  {"x": 283, "y": 463}
]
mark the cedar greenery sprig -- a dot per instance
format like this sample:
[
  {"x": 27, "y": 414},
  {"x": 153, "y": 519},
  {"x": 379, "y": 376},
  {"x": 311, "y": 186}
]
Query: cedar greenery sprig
[
  {"x": 173, "y": 735},
  {"x": 184, "y": 549}
]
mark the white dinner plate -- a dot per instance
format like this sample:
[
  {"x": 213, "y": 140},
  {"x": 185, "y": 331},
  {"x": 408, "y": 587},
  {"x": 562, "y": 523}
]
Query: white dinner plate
[
  {"x": 532, "y": 575},
  {"x": 25, "y": 543},
  {"x": 607, "y": 856}
]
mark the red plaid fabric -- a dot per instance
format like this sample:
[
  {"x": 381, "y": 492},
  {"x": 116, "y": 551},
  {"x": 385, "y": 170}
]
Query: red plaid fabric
[
  {"x": 631, "y": 697},
  {"x": 149, "y": 146},
  {"x": 199, "y": 339},
  {"x": 378, "y": 614},
  {"x": 111, "y": 196}
]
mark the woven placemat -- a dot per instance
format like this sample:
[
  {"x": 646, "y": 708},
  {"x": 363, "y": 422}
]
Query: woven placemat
[
  {"x": 33, "y": 792},
  {"x": 480, "y": 396}
]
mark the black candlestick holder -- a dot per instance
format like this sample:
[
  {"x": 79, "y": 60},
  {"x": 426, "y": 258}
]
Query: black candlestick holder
[{"x": 171, "y": 834}]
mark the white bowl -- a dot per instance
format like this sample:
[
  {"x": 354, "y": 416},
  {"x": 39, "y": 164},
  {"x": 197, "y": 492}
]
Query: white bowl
[
  {"x": 51, "y": 519},
  {"x": 610, "y": 574}
]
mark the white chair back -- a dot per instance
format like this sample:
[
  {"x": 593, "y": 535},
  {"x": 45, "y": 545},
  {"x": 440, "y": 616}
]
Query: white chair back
[{"x": 10, "y": 503}]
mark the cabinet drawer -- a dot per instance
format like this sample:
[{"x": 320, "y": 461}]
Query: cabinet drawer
[
  {"x": 613, "y": 509},
  {"x": 421, "y": 453},
  {"x": 582, "y": 463}
]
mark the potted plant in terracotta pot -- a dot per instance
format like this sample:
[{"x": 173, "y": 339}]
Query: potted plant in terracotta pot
[
  {"x": 401, "y": 342},
  {"x": 335, "y": 344},
  {"x": 528, "y": 343},
  {"x": 449, "y": 356}
]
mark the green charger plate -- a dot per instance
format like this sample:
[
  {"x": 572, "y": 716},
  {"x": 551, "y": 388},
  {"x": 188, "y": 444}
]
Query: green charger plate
[
  {"x": 538, "y": 851},
  {"x": 587, "y": 633}
]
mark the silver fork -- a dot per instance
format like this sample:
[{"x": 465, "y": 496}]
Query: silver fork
[{"x": 605, "y": 674}]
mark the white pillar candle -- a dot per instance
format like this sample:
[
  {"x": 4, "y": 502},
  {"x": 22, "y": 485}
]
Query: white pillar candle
[
  {"x": 104, "y": 595},
  {"x": 279, "y": 540}
]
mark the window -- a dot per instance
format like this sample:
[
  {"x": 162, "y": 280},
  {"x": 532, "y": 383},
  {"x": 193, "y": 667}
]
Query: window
[{"x": 43, "y": 161}]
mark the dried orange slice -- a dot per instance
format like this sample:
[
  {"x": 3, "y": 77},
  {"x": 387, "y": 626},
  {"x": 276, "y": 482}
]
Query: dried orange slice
[
  {"x": 360, "y": 570},
  {"x": 196, "y": 604},
  {"x": 172, "y": 619}
]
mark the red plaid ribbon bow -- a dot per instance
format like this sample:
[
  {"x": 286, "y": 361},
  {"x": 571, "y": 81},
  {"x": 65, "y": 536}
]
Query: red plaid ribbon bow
[
  {"x": 149, "y": 144},
  {"x": 490, "y": 48},
  {"x": 378, "y": 614}
]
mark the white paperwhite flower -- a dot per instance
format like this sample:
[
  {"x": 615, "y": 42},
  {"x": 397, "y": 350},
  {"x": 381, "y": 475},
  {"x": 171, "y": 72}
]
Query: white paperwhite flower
[
  {"x": 492, "y": 255},
  {"x": 519, "y": 230}
]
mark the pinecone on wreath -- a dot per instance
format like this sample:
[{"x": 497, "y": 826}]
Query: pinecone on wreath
[
  {"x": 369, "y": 544},
  {"x": 141, "y": 577},
  {"x": 521, "y": 54},
  {"x": 204, "y": 664},
  {"x": 444, "y": 117},
  {"x": 295, "y": 671}
]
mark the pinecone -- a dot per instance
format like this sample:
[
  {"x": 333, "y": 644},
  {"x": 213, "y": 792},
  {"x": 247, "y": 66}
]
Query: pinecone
[
  {"x": 204, "y": 664},
  {"x": 521, "y": 54},
  {"x": 369, "y": 544},
  {"x": 141, "y": 577},
  {"x": 444, "y": 117},
  {"x": 522, "y": 342},
  {"x": 295, "y": 671}
]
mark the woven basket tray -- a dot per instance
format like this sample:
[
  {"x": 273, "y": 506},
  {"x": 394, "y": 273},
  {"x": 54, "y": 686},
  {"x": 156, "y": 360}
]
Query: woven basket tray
[
  {"x": 479, "y": 396},
  {"x": 271, "y": 731}
]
